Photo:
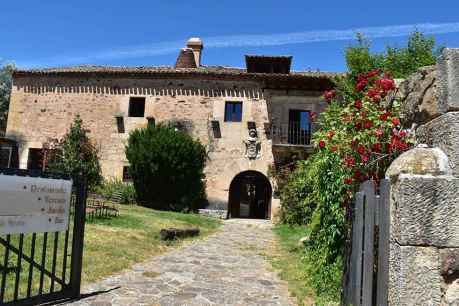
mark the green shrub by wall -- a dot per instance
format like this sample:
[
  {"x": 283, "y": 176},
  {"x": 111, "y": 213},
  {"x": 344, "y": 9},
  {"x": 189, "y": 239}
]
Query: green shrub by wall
[{"x": 167, "y": 167}]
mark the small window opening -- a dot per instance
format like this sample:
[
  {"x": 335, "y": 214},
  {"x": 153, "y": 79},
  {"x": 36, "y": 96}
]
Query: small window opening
[
  {"x": 126, "y": 175},
  {"x": 136, "y": 107},
  {"x": 233, "y": 112}
]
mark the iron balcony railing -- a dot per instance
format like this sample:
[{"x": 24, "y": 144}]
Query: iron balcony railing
[{"x": 292, "y": 133}]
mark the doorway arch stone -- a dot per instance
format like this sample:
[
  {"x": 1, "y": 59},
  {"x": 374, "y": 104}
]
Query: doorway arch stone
[{"x": 250, "y": 196}]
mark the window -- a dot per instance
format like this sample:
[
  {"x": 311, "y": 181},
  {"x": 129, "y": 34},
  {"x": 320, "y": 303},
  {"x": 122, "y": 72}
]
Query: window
[
  {"x": 126, "y": 175},
  {"x": 136, "y": 107},
  {"x": 5, "y": 157},
  {"x": 35, "y": 159},
  {"x": 233, "y": 112},
  {"x": 299, "y": 128}
]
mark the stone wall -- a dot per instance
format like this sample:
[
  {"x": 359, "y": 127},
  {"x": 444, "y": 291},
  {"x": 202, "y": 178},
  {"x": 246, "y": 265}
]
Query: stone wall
[
  {"x": 424, "y": 206},
  {"x": 43, "y": 107}
]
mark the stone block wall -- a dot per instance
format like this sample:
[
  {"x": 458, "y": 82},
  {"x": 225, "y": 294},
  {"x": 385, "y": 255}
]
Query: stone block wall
[
  {"x": 43, "y": 107},
  {"x": 424, "y": 206}
]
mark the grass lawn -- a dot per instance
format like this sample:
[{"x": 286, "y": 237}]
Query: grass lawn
[
  {"x": 111, "y": 245},
  {"x": 288, "y": 259},
  {"x": 132, "y": 237}
]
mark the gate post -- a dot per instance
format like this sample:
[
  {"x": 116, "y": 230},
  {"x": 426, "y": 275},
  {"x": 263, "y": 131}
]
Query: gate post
[
  {"x": 78, "y": 238},
  {"x": 424, "y": 223}
]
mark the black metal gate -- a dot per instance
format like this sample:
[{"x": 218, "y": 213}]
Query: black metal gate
[{"x": 42, "y": 267}]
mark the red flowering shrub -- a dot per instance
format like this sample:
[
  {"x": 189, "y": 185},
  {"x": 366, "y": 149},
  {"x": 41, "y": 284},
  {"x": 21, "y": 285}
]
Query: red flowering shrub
[
  {"x": 362, "y": 129},
  {"x": 359, "y": 135}
]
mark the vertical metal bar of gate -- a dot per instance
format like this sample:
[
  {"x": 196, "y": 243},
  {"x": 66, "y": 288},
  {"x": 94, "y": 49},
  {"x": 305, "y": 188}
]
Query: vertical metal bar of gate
[{"x": 78, "y": 239}]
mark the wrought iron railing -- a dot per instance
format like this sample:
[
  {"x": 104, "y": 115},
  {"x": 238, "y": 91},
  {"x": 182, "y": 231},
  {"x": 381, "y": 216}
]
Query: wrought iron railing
[{"x": 292, "y": 133}]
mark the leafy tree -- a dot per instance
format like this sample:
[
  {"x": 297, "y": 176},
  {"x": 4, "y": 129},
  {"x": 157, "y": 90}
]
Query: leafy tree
[
  {"x": 167, "y": 167},
  {"x": 6, "y": 73},
  {"x": 76, "y": 155},
  {"x": 399, "y": 62}
]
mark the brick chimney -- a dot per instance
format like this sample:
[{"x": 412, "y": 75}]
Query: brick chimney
[
  {"x": 185, "y": 59},
  {"x": 196, "y": 45}
]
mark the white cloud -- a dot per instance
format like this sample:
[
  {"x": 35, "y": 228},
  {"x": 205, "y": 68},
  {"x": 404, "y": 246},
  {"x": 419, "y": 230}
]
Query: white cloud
[{"x": 247, "y": 40}]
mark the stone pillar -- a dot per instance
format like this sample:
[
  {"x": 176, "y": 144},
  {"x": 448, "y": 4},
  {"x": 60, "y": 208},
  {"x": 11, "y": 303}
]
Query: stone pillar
[
  {"x": 424, "y": 226},
  {"x": 424, "y": 205}
]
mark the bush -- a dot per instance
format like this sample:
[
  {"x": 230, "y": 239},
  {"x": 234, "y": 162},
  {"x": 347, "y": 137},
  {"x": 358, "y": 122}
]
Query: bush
[
  {"x": 109, "y": 188},
  {"x": 167, "y": 167},
  {"x": 75, "y": 155},
  {"x": 297, "y": 206},
  {"x": 359, "y": 136}
]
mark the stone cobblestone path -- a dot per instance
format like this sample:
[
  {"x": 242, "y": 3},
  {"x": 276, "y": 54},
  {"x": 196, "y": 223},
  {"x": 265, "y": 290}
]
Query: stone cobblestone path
[{"x": 226, "y": 268}]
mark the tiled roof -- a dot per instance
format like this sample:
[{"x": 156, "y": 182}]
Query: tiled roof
[
  {"x": 309, "y": 80},
  {"x": 203, "y": 70}
]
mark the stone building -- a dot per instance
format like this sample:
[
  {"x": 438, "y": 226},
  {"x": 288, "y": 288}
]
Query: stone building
[{"x": 247, "y": 118}]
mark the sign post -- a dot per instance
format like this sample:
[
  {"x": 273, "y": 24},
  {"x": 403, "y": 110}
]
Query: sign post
[{"x": 34, "y": 205}]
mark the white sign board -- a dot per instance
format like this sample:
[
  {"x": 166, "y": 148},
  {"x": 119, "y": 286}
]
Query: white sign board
[{"x": 34, "y": 205}]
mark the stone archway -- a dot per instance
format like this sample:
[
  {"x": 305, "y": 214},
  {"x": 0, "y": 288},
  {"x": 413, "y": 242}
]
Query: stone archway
[{"x": 250, "y": 195}]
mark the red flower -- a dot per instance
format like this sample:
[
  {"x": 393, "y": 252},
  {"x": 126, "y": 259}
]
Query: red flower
[
  {"x": 330, "y": 134},
  {"x": 322, "y": 144},
  {"x": 334, "y": 148},
  {"x": 329, "y": 95},
  {"x": 379, "y": 132},
  {"x": 373, "y": 92},
  {"x": 368, "y": 124},
  {"x": 313, "y": 116},
  {"x": 402, "y": 146},
  {"x": 377, "y": 147},
  {"x": 358, "y": 104},
  {"x": 361, "y": 149},
  {"x": 395, "y": 121},
  {"x": 358, "y": 126},
  {"x": 348, "y": 181},
  {"x": 349, "y": 161},
  {"x": 384, "y": 116},
  {"x": 361, "y": 85},
  {"x": 402, "y": 134},
  {"x": 364, "y": 158},
  {"x": 389, "y": 148},
  {"x": 385, "y": 84},
  {"x": 373, "y": 73},
  {"x": 357, "y": 175}
]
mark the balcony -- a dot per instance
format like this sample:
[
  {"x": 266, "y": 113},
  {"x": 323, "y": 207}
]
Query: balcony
[{"x": 292, "y": 134}]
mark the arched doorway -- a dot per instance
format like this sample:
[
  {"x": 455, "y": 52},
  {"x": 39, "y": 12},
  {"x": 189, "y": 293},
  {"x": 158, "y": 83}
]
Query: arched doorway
[{"x": 250, "y": 196}]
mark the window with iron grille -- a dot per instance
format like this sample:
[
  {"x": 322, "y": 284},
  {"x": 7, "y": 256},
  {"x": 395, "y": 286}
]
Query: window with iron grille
[
  {"x": 233, "y": 111},
  {"x": 136, "y": 107}
]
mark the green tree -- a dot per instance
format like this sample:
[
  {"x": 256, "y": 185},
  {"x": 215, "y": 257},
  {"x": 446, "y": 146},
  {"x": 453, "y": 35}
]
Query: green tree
[
  {"x": 6, "y": 73},
  {"x": 167, "y": 168},
  {"x": 398, "y": 61},
  {"x": 76, "y": 155}
]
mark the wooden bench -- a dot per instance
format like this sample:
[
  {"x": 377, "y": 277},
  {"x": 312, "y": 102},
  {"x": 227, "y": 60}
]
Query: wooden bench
[{"x": 99, "y": 207}]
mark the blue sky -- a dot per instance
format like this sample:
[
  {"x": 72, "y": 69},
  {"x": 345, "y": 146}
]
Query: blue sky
[{"x": 62, "y": 33}]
